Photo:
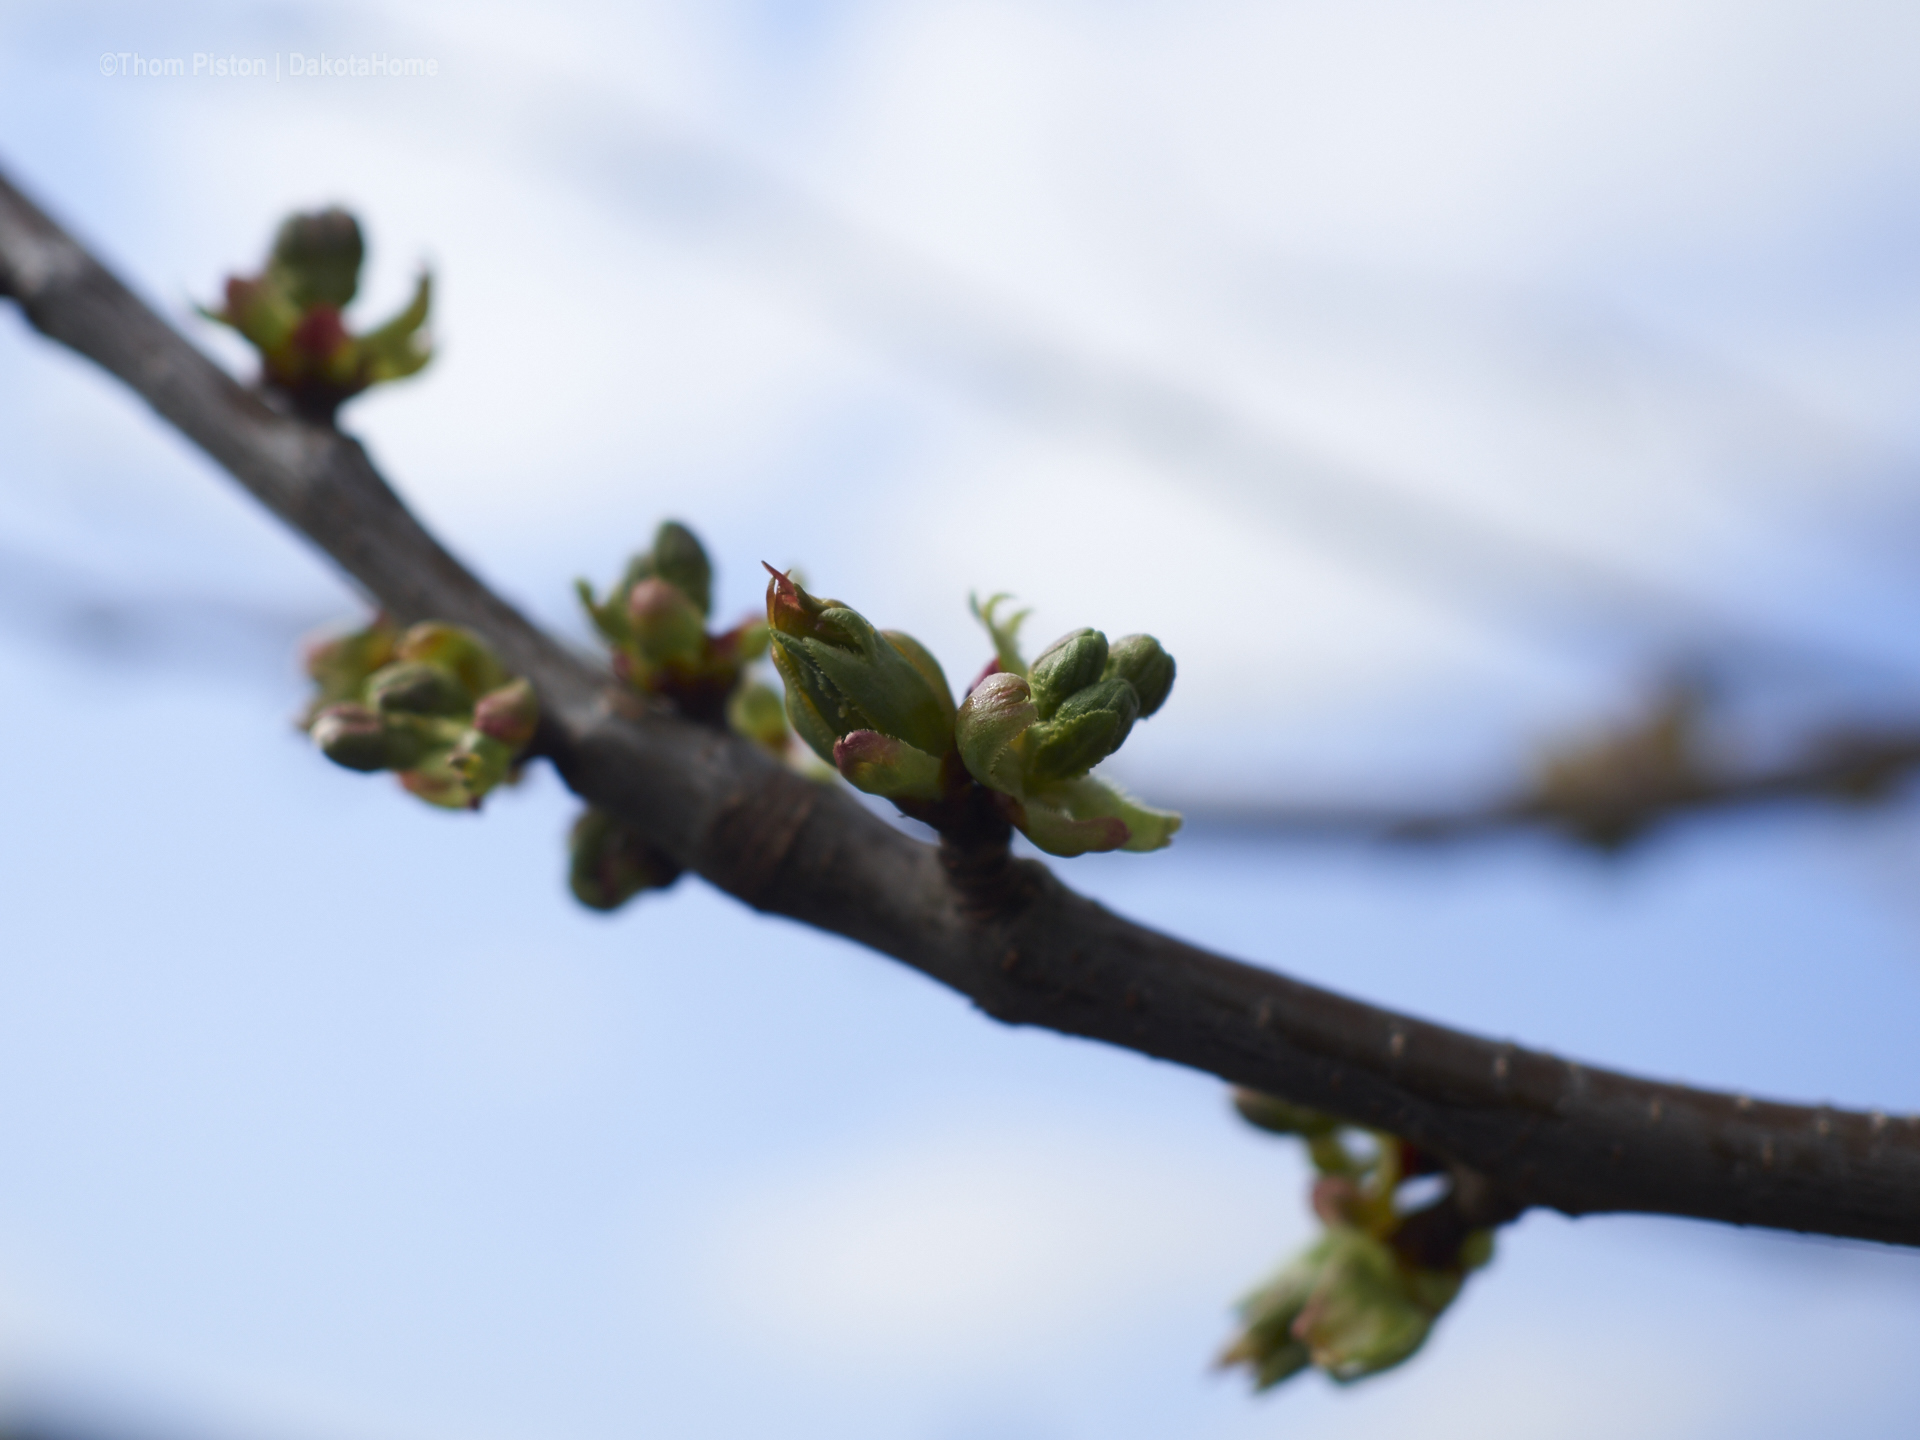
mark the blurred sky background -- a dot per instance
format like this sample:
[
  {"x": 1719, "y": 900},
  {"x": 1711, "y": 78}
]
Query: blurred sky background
[{"x": 1425, "y": 377}]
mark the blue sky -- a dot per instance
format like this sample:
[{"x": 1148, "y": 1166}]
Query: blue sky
[{"x": 329, "y": 1117}]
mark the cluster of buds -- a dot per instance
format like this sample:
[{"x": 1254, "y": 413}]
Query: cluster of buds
[
  {"x": 655, "y": 621},
  {"x": 290, "y": 312},
  {"x": 1607, "y": 790},
  {"x": 876, "y": 705},
  {"x": 1031, "y": 734},
  {"x": 1354, "y": 1302},
  {"x": 432, "y": 704}
]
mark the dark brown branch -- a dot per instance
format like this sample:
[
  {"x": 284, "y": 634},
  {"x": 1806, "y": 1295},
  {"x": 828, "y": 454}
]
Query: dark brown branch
[{"x": 1538, "y": 1129}]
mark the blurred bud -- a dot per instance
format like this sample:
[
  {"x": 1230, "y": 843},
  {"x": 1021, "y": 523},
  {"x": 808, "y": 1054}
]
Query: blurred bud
[
  {"x": 354, "y": 736},
  {"x": 666, "y": 627},
  {"x": 413, "y": 687},
  {"x": 1281, "y": 1117},
  {"x": 609, "y": 863},
  {"x": 1139, "y": 660},
  {"x": 339, "y": 666},
  {"x": 681, "y": 561},
  {"x": 459, "y": 652},
  {"x": 755, "y": 711},
  {"x": 481, "y": 762},
  {"x": 291, "y": 314},
  {"x": 843, "y": 675},
  {"x": 1360, "y": 1319},
  {"x": 316, "y": 258},
  {"x": 1070, "y": 664},
  {"x": 1090, "y": 725},
  {"x": 882, "y": 765},
  {"x": 509, "y": 715}
]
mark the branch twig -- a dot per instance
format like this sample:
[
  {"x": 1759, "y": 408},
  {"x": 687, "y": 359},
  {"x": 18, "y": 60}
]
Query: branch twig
[{"x": 1538, "y": 1129}]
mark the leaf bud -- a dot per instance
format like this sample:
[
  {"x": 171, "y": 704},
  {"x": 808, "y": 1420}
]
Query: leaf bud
[
  {"x": 666, "y": 627},
  {"x": 508, "y": 715},
  {"x": 681, "y": 560},
  {"x": 991, "y": 721},
  {"x": 1071, "y": 663},
  {"x": 316, "y": 258},
  {"x": 413, "y": 687},
  {"x": 609, "y": 863},
  {"x": 755, "y": 711},
  {"x": 881, "y": 765},
  {"x": 460, "y": 652},
  {"x": 355, "y": 737},
  {"x": 843, "y": 675},
  {"x": 1139, "y": 660},
  {"x": 1090, "y": 725}
]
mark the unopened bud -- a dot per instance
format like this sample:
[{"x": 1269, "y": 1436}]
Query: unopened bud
[
  {"x": 991, "y": 719},
  {"x": 666, "y": 627},
  {"x": 1071, "y": 663},
  {"x": 843, "y": 675},
  {"x": 1139, "y": 660},
  {"x": 1090, "y": 725},
  {"x": 609, "y": 862},
  {"x": 508, "y": 715},
  {"x": 458, "y": 651},
  {"x": 681, "y": 560},
  {"x": 755, "y": 711},
  {"x": 882, "y": 765},
  {"x": 317, "y": 257},
  {"x": 413, "y": 687},
  {"x": 354, "y": 736}
]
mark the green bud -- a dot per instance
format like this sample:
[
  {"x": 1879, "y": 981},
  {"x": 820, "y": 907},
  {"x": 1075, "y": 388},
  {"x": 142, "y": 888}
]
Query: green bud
[
  {"x": 882, "y": 765},
  {"x": 666, "y": 627},
  {"x": 988, "y": 728},
  {"x": 508, "y": 715},
  {"x": 316, "y": 258},
  {"x": 481, "y": 762},
  {"x": 413, "y": 687},
  {"x": 1139, "y": 660},
  {"x": 438, "y": 783},
  {"x": 1089, "y": 726},
  {"x": 1071, "y": 663},
  {"x": 609, "y": 863},
  {"x": 460, "y": 652},
  {"x": 756, "y": 711},
  {"x": 843, "y": 675},
  {"x": 1266, "y": 1343},
  {"x": 1360, "y": 1319},
  {"x": 339, "y": 666},
  {"x": 354, "y": 736},
  {"x": 680, "y": 560}
]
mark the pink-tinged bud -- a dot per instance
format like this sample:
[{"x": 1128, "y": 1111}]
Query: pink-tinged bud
[
  {"x": 882, "y": 765},
  {"x": 666, "y": 626},
  {"x": 989, "y": 725},
  {"x": 509, "y": 715}
]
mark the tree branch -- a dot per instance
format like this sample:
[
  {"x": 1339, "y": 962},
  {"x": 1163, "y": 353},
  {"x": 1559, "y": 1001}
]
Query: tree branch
[{"x": 1027, "y": 950}]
